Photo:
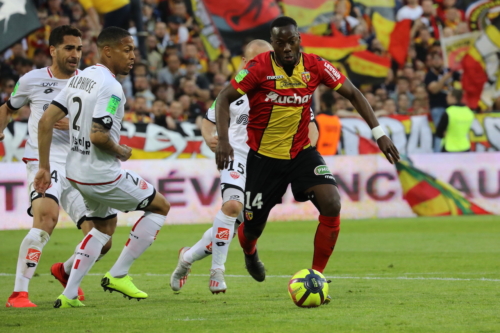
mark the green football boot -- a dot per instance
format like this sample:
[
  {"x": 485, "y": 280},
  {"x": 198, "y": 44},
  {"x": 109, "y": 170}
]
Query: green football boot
[
  {"x": 64, "y": 302},
  {"x": 122, "y": 285}
]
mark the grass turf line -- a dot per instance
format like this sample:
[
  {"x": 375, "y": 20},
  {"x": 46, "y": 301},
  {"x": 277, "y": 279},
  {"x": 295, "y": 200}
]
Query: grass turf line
[{"x": 373, "y": 256}]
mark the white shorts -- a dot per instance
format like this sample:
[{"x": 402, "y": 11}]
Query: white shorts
[
  {"x": 60, "y": 191},
  {"x": 127, "y": 193},
  {"x": 233, "y": 180}
]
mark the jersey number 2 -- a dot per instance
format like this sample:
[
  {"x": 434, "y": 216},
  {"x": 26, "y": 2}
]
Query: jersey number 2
[{"x": 79, "y": 101}]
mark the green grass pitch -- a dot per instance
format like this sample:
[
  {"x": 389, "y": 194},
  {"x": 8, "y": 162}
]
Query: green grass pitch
[{"x": 388, "y": 275}]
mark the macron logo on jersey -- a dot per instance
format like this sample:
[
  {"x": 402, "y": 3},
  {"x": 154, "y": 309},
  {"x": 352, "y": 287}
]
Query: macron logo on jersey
[{"x": 279, "y": 99}]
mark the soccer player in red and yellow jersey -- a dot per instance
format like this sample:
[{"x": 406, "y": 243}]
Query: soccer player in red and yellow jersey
[{"x": 280, "y": 86}]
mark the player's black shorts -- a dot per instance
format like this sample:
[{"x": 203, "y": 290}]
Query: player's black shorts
[{"x": 268, "y": 179}]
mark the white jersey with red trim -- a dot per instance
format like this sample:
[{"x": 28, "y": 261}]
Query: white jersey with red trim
[
  {"x": 92, "y": 96},
  {"x": 37, "y": 88}
]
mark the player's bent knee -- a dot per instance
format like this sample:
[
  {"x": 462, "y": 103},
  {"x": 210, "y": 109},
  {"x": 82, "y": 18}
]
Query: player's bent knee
[
  {"x": 331, "y": 206},
  {"x": 232, "y": 208},
  {"x": 107, "y": 246},
  {"x": 159, "y": 205}
]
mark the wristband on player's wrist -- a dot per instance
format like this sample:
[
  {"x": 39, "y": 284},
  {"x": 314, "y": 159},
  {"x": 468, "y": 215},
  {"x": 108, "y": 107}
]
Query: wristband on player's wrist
[{"x": 378, "y": 132}]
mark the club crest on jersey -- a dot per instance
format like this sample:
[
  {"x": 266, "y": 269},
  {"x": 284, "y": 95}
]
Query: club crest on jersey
[
  {"x": 33, "y": 255},
  {"x": 222, "y": 233},
  {"x": 234, "y": 175},
  {"x": 306, "y": 77},
  {"x": 209, "y": 248},
  {"x": 249, "y": 215}
]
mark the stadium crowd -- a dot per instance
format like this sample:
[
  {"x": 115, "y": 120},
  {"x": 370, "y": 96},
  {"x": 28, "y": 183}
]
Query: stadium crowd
[{"x": 173, "y": 81}]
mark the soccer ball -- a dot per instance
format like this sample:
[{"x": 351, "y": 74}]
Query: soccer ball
[{"x": 308, "y": 288}]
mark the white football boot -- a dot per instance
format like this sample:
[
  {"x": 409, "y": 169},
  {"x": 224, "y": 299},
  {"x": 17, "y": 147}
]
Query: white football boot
[
  {"x": 181, "y": 272},
  {"x": 217, "y": 284}
]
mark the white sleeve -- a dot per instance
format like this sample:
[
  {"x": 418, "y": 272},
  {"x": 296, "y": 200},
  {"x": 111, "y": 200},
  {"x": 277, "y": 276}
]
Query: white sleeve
[
  {"x": 20, "y": 95},
  {"x": 108, "y": 102},
  {"x": 210, "y": 115},
  {"x": 61, "y": 100}
]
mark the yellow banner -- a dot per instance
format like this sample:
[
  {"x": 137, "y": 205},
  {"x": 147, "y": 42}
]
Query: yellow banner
[{"x": 304, "y": 15}]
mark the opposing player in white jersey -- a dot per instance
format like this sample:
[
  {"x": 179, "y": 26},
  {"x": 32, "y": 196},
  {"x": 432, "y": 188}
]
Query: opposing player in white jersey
[
  {"x": 216, "y": 240},
  {"x": 94, "y": 101},
  {"x": 37, "y": 88}
]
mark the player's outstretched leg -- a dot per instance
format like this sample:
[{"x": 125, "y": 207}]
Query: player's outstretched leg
[
  {"x": 87, "y": 253},
  {"x": 141, "y": 237},
  {"x": 327, "y": 199},
  {"x": 60, "y": 271},
  {"x": 222, "y": 234},
  {"x": 187, "y": 256},
  {"x": 45, "y": 215}
]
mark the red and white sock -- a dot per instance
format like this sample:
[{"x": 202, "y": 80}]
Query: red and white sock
[
  {"x": 29, "y": 255},
  {"x": 222, "y": 234},
  {"x": 86, "y": 254},
  {"x": 324, "y": 241},
  {"x": 68, "y": 264},
  {"x": 200, "y": 250},
  {"x": 141, "y": 237}
]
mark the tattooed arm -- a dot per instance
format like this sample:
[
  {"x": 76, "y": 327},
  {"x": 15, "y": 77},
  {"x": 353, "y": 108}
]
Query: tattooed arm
[{"x": 101, "y": 138}]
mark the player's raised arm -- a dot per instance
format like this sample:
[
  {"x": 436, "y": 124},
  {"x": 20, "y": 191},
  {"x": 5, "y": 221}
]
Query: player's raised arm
[
  {"x": 224, "y": 152},
  {"x": 331, "y": 77},
  {"x": 349, "y": 91},
  {"x": 53, "y": 114}
]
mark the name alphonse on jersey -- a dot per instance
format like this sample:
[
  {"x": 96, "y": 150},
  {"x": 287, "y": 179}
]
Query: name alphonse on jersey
[
  {"x": 83, "y": 83},
  {"x": 81, "y": 146}
]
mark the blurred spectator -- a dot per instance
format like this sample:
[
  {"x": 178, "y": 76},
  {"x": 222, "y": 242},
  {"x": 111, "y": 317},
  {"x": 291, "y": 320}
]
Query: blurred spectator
[
  {"x": 411, "y": 11},
  {"x": 179, "y": 9},
  {"x": 159, "y": 110},
  {"x": 177, "y": 32},
  {"x": 189, "y": 87},
  {"x": 40, "y": 59},
  {"x": 162, "y": 36},
  {"x": 192, "y": 74},
  {"x": 175, "y": 116},
  {"x": 389, "y": 108},
  {"x": 140, "y": 112},
  {"x": 141, "y": 86},
  {"x": 164, "y": 93},
  {"x": 154, "y": 56},
  {"x": 193, "y": 110},
  {"x": 173, "y": 70},
  {"x": 455, "y": 124},
  {"x": 329, "y": 125},
  {"x": 403, "y": 104},
  {"x": 402, "y": 87},
  {"x": 7, "y": 85},
  {"x": 57, "y": 8},
  {"x": 438, "y": 82}
]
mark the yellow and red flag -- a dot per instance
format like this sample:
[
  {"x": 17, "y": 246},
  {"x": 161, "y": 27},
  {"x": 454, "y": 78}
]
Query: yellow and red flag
[
  {"x": 331, "y": 48},
  {"x": 308, "y": 13},
  {"x": 394, "y": 36},
  {"x": 367, "y": 67},
  {"x": 429, "y": 196}
]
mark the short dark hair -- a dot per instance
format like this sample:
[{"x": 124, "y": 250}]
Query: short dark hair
[
  {"x": 57, "y": 35},
  {"x": 283, "y": 21},
  {"x": 403, "y": 78},
  {"x": 457, "y": 94},
  {"x": 111, "y": 36}
]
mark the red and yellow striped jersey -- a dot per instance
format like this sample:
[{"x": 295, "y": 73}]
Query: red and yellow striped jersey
[{"x": 279, "y": 104}]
